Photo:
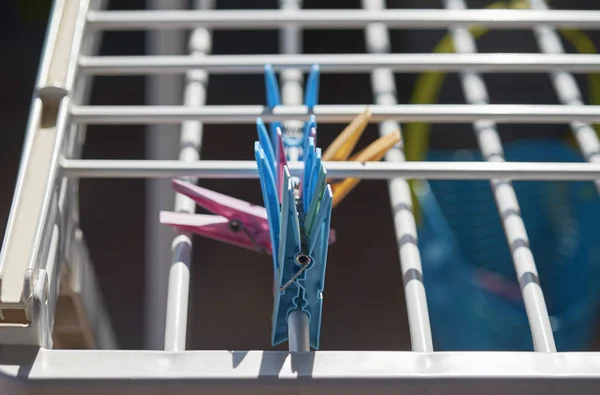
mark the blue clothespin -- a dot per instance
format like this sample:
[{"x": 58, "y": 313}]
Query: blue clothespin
[
  {"x": 311, "y": 94},
  {"x": 301, "y": 231},
  {"x": 265, "y": 142},
  {"x": 266, "y": 171},
  {"x": 273, "y": 97},
  {"x": 311, "y": 98},
  {"x": 310, "y": 130}
]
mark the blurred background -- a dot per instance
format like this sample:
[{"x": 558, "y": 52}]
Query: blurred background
[{"x": 231, "y": 288}]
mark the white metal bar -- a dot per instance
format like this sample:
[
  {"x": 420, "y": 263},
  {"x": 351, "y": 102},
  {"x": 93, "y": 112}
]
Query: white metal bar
[
  {"x": 505, "y": 196},
  {"x": 160, "y": 90},
  {"x": 384, "y": 89},
  {"x": 566, "y": 88},
  {"x": 340, "y": 19},
  {"x": 391, "y": 372},
  {"x": 366, "y": 170},
  {"x": 340, "y": 63},
  {"x": 200, "y": 44},
  {"x": 459, "y": 113},
  {"x": 34, "y": 209},
  {"x": 82, "y": 284}
]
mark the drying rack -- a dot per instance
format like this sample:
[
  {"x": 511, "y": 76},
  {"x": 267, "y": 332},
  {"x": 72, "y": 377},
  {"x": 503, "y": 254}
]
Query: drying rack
[{"x": 44, "y": 258}]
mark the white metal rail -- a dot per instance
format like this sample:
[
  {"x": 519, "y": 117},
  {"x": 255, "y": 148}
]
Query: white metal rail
[
  {"x": 341, "y": 19},
  {"x": 384, "y": 90},
  {"x": 43, "y": 230},
  {"x": 337, "y": 63}
]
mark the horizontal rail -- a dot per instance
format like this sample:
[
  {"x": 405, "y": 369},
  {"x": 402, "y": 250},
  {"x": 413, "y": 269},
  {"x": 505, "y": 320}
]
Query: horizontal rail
[
  {"x": 365, "y": 170},
  {"x": 337, "y": 63},
  {"x": 340, "y": 19},
  {"x": 460, "y": 113},
  {"x": 354, "y": 366}
]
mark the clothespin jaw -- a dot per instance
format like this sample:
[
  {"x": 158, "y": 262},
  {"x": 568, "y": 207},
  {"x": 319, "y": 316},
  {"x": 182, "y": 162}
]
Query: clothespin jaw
[
  {"x": 274, "y": 161},
  {"x": 270, "y": 198},
  {"x": 218, "y": 228},
  {"x": 310, "y": 131},
  {"x": 265, "y": 142}
]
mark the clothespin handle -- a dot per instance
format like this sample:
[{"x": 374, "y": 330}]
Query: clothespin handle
[
  {"x": 273, "y": 98},
  {"x": 374, "y": 152},
  {"x": 311, "y": 94},
  {"x": 344, "y": 143}
]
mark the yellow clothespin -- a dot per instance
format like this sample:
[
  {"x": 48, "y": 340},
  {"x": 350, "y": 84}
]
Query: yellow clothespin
[
  {"x": 342, "y": 147},
  {"x": 374, "y": 152}
]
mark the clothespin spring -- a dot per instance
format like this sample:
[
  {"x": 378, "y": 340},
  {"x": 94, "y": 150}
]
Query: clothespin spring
[
  {"x": 304, "y": 261},
  {"x": 237, "y": 226}
]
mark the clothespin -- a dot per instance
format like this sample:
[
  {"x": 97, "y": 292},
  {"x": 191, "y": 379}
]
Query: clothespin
[
  {"x": 237, "y": 222},
  {"x": 374, "y": 152},
  {"x": 343, "y": 145},
  {"x": 281, "y": 162},
  {"x": 310, "y": 131},
  {"x": 301, "y": 227},
  {"x": 274, "y": 97}
]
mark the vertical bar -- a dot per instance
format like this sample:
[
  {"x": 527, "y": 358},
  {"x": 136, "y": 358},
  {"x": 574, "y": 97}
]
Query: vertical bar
[
  {"x": 162, "y": 142},
  {"x": 290, "y": 42},
  {"x": 566, "y": 88},
  {"x": 82, "y": 288},
  {"x": 298, "y": 333},
  {"x": 506, "y": 199},
  {"x": 200, "y": 44},
  {"x": 25, "y": 245},
  {"x": 384, "y": 91}
]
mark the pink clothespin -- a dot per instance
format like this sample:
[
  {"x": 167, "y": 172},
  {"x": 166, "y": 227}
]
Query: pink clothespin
[
  {"x": 281, "y": 162},
  {"x": 312, "y": 133},
  {"x": 237, "y": 222}
]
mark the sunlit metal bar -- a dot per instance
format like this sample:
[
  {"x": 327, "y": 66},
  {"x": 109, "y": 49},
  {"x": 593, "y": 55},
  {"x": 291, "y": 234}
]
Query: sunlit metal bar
[
  {"x": 384, "y": 90},
  {"x": 200, "y": 43},
  {"x": 460, "y": 113},
  {"x": 25, "y": 248},
  {"x": 159, "y": 90},
  {"x": 339, "y": 63},
  {"x": 367, "y": 170},
  {"x": 340, "y": 19},
  {"x": 506, "y": 199},
  {"x": 567, "y": 89}
]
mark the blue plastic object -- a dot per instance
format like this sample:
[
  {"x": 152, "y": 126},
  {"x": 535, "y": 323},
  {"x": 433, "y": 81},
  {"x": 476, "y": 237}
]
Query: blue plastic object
[
  {"x": 273, "y": 97},
  {"x": 300, "y": 236},
  {"x": 299, "y": 226},
  {"x": 263, "y": 138},
  {"x": 463, "y": 246},
  {"x": 311, "y": 98}
]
